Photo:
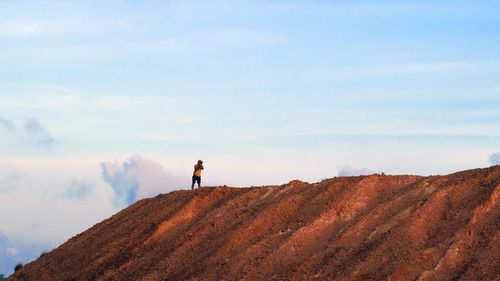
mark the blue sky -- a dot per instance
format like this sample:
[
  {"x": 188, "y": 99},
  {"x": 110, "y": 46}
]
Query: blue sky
[{"x": 104, "y": 103}]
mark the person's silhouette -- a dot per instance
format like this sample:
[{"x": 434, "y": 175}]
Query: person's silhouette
[{"x": 197, "y": 174}]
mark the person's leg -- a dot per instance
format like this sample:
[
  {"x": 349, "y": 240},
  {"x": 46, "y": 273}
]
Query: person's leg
[
  {"x": 199, "y": 182},
  {"x": 193, "y": 181}
]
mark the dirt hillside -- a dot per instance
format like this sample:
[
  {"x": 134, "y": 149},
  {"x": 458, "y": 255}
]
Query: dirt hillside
[{"x": 373, "y": 227}]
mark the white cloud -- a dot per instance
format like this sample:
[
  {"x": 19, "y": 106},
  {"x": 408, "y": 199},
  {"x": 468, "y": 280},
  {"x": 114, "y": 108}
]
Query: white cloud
[
  {"x": 215, "y": 40},
  {"x": 494, "y": 158},
  {"x": 11, "y": 251},
  {"x": 219, "y": 39},
  {"x": 137, "y": 178},
  {"x": 78, "y": 190},
  {"x": 347, "y": 170},
  {"x": 102, "y": 50},
  {"x": 22, "y": 29},
  {"x": 38, "y": 28},
  {"x": 401, "y": 70}
]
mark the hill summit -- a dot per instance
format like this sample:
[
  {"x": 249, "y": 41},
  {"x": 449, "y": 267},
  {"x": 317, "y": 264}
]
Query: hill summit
[{"x": 374, "y": 227}]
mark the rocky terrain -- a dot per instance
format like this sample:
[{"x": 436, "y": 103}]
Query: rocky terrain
[{"x": 375, "y": 227}]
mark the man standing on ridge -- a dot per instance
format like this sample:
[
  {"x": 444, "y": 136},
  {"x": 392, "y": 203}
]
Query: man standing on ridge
[{"x": 197, "y": 174}]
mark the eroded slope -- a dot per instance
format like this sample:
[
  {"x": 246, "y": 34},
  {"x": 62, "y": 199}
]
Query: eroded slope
[{"x": 348, "y": 228}]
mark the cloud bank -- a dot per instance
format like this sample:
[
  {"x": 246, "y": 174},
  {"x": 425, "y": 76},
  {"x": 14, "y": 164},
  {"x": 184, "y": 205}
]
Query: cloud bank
[
  {"x": 494, "y": 158},
  {"x": 137, "y": 178},
  {"x": 347, "y": 170}
]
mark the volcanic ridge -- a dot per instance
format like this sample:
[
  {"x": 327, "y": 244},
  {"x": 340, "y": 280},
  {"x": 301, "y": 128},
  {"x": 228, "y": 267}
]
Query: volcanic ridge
[{"x": 375, "y": 227}]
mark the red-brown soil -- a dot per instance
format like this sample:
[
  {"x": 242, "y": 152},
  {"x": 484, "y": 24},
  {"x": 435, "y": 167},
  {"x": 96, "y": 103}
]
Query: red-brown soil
[{"x": 374, "y": 227}]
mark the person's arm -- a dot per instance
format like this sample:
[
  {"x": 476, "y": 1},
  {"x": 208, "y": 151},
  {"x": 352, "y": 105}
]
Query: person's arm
[{"x": 201, "y": 167}]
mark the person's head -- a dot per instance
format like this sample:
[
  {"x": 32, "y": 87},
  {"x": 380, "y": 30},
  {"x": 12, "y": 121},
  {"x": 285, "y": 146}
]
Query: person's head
[{"x": 200, "y": 162}]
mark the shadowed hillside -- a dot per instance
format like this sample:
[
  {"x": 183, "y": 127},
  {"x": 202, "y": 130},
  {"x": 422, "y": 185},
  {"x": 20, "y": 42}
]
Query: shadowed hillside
[{"x": 374, "y": 227}]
